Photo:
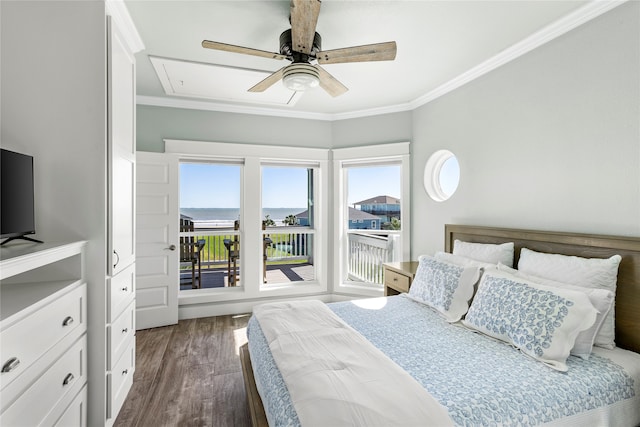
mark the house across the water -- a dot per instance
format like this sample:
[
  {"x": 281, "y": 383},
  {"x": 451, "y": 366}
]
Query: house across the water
[
  {"x": 357, "y": 219},
  {"x": 383, "y": 207}
]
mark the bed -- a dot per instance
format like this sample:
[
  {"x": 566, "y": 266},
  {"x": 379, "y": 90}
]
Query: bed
[{"x": 478, "y": 380}]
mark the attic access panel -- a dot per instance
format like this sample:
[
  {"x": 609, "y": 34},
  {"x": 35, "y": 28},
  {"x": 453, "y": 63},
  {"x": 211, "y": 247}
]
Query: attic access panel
[{"x": 218, "y": 82}]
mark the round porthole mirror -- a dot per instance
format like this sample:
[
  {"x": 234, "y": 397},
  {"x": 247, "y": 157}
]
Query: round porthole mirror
[{"x": 441, "y": 175}]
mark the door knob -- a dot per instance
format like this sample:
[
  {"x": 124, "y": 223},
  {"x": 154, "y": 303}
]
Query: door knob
[{"x": 172, "y": 248}]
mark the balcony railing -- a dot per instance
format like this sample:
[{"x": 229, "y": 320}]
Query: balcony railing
[
  {"x": 288, "y": 246},
  {"x": 278, "y": 246},
  {"x": 367, "y": 253}
]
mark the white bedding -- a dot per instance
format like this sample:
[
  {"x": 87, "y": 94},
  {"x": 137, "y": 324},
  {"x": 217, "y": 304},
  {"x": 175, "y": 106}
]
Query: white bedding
[
  {"x": 335, "y": 377},
  {"x": 623, "y": 413},
  {"x": 479, "y": 380}
]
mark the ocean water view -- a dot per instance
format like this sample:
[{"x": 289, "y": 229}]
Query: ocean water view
[{"x": 224, "y": 217}]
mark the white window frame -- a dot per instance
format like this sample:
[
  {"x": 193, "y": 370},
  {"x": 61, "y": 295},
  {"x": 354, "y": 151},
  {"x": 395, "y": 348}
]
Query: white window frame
[
  {"x": 307, "y": 229},
  {"x": 254, "y": 156},
  {"x": 363, "y": 155}
]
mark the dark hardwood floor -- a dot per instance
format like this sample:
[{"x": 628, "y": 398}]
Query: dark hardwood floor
[{"x": 189, "y": 374}]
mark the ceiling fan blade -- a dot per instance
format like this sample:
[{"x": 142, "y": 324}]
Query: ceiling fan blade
[
  {"x": 268, "y": 82},
  {"x": 330, "y": 83},
  {"x": 240, "y": 49},
  {"x": 304, "y": 18},
  {"x": 370, "y": 52}
]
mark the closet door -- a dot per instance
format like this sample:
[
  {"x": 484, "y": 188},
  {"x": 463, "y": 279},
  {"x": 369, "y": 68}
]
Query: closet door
[
  {"x": 121, "y": 265},
  {"x": 122, "y": 152}
]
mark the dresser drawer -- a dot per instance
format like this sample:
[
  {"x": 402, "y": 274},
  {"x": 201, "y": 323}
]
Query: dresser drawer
[
  {"x": 76, "y": 413},
  {"x": 396, "y": 281},
  {"x": 120, "y": 332},
  {"x": 65, "y": 377},
  {"x": 29, "y": 338},
  {"x": 121, "y": 291},
  {"x": 120, "y": 380}
]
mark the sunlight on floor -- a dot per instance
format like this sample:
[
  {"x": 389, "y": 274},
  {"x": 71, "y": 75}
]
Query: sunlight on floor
[
  {"x": 240, "y": 338},
  {"x": 371, "y": 303}
]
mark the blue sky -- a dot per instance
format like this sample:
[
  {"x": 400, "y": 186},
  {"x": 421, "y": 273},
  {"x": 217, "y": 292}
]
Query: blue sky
[
  {"x": 204, "y": 185},
  {"x": 367, "y": 182},
  {"x": 449, "y": 176}
]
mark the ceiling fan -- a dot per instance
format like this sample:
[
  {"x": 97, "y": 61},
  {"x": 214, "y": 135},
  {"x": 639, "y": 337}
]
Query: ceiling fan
[{"x": 301, "y": 45}]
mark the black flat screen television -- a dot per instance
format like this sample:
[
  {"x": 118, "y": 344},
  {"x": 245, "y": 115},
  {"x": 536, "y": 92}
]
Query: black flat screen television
[{"x": 17, "y": 213}]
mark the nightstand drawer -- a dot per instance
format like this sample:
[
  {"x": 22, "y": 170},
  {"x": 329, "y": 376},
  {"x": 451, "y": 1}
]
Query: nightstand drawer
[{"x": 396, "y": 281}]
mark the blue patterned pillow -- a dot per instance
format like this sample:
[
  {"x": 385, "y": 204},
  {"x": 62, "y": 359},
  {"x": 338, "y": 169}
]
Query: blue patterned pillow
[
  {"x": 601, "y": 299},
  {"x": 444, "y": 286},
  {"x": 541, "y": 321}
]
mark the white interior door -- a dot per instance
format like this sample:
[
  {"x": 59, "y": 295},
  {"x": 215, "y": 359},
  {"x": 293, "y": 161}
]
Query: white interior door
[{"x": 157, "y": 252}]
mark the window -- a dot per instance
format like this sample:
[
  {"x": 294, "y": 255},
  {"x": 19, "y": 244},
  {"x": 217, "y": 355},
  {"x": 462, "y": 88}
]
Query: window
[
  {"x": 441, "y": 175},
  {"x": 288, "y": 214},
  {"x": 372, "y": 214},
  {"x": 210, "y": 216},
  {"x": 250, "y": 178}
]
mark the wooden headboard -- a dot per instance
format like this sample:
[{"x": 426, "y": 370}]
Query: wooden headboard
[{"x": 627, "y": 307}]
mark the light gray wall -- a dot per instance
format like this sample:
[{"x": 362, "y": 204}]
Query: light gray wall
[
  {"x": 382, "y": 129},
  {"x": 154, "y": 124},
  {"x": 549, "y": 141},
  {"x": 54, "y": 107}
]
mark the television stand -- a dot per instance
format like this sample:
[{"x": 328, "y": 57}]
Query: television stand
[{"x": 31, "y": 239}]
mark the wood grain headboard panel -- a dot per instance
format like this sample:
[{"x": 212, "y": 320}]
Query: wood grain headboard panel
[{"x": 627, "y": 305}]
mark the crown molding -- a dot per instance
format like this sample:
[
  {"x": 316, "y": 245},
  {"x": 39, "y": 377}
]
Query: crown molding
[
  {"x": 158, "y": 101},
  {"x": 563, "y": 25},
  {"x": 398, "y": 108},
  {"x": 120, "y": 14}
]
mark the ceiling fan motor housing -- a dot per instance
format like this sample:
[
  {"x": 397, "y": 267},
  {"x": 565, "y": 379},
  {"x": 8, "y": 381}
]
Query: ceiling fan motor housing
[
  {"x": 286, "y": 47},
  {"x": 300, "y": 76}
]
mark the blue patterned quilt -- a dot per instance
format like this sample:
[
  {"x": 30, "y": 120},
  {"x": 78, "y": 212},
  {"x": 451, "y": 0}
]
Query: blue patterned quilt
[{"x": 481, "y": 381}]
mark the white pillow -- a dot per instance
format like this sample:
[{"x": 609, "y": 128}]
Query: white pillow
[
  {"x": 593, "y": 273},
  {"x": 445, "y": 287},
  {"x": 485, "y": 252},
  {"x": 601, "y": 299},
  {"x": 541, "y": 321},
  {"x": 462, "y": 260}
]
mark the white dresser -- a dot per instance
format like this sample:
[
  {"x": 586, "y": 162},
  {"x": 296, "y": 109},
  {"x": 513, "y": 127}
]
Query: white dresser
[
  {"x": 81, "y": 131},
  {"x": 43, "y": 339}
]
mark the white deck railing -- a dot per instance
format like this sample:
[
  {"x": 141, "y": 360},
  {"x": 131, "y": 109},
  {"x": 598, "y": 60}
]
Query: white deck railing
[{"x": 367, "y": 253}]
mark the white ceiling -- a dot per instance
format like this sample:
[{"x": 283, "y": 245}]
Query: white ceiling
[{"x": 441, "y": 45}]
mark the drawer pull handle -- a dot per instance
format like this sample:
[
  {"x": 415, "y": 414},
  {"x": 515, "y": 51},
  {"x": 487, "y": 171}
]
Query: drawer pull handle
[
  {"x": 395, "y": 279},
  {"x": 67, "y": 321},
  {"x": 68, "y": 379},
  {"x": 125, "y": 330},
  {"x": 125, "y": 289},
  {"x": 117, "y": 258},
  {"x": 125, "y": 372},
  {"x": 11, "y": 364}
]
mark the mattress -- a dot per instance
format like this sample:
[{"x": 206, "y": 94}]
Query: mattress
[{"x": 481, "y": 381}]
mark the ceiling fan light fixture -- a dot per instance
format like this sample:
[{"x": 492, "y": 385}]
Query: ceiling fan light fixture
[{"x": 300, "y": 77}]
